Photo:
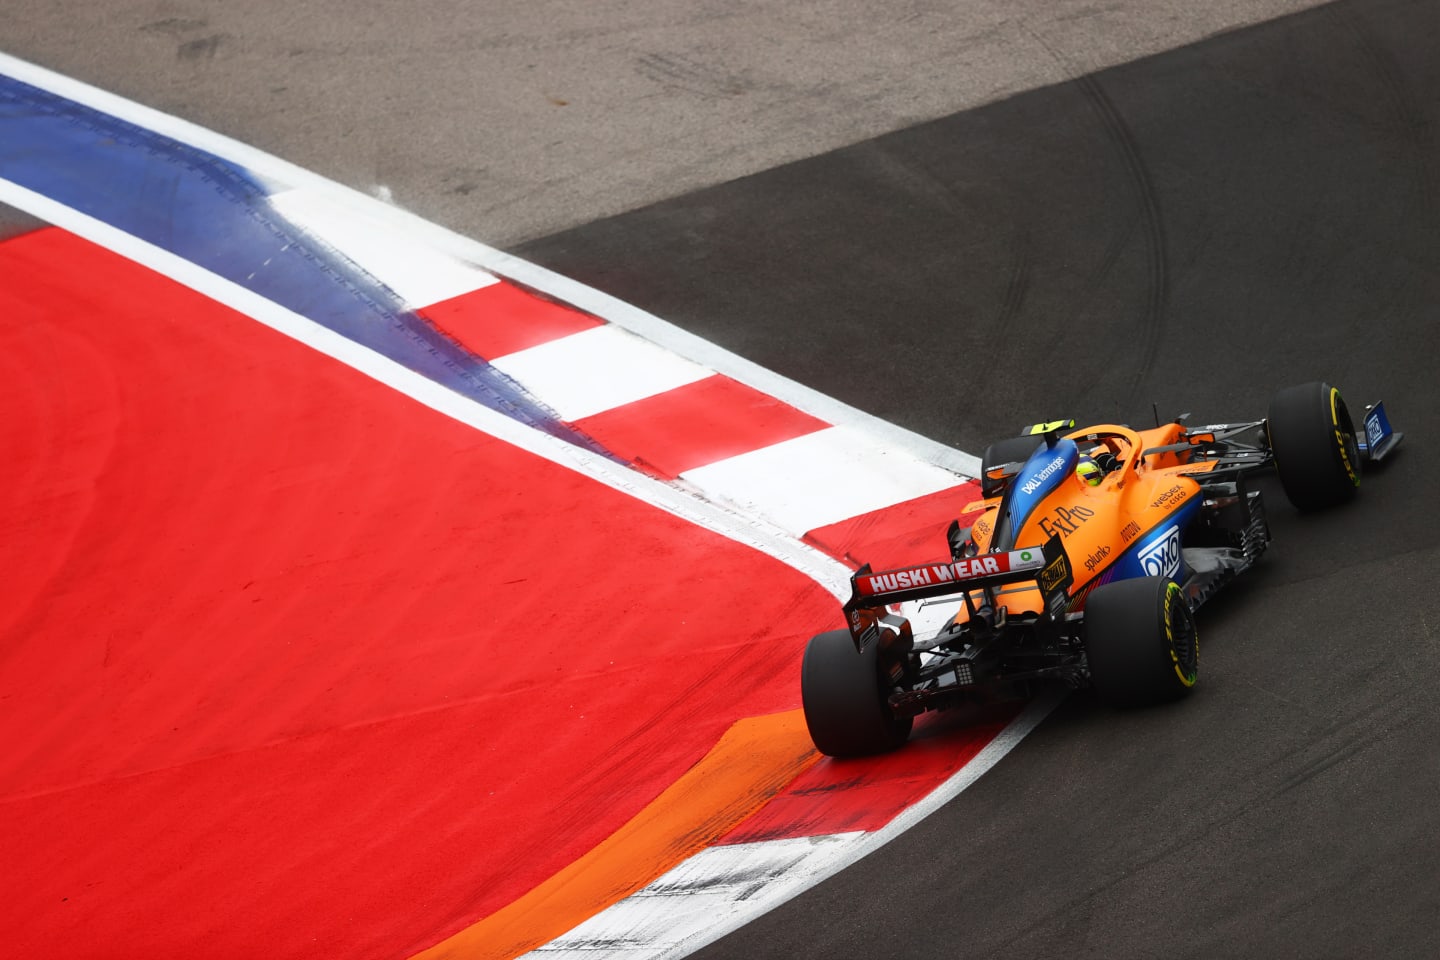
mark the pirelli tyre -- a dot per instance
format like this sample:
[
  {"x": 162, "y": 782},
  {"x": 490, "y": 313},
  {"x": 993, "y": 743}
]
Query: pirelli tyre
[
  {"x": 1140, "y": 642},
  {"x": 1012, "y": 450},
  {"x": 1313, "y": 440},
  {"x": 846, "y": 698}
]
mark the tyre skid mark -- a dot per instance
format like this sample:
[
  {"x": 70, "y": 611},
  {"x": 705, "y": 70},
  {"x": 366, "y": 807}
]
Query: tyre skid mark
[
  {"x": 1151, "y": 323},
  {"x": 752, "y": 761}
]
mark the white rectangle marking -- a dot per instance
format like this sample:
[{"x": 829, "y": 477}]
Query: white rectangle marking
[
  {"x": 597, "y": 370},
  {"x": 419, "y": 273},
  {"x": 820, "y": 478},
  {"x": 684, "y": 904}
]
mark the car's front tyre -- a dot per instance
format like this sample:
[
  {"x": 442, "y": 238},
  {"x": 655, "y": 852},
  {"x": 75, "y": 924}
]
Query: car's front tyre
[{"x": 1317, "y": 455}]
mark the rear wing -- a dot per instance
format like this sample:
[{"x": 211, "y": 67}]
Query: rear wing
[{"x": 872, "y": 591}]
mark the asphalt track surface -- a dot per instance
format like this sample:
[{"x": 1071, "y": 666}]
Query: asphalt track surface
[
  {"x": 509, "y": 121},
  {"x": 1193, "y": 229}
]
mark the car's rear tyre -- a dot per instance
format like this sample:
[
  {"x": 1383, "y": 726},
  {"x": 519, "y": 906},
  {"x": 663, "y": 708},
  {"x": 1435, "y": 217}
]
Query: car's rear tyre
[
  {"x": 1013, "y": 450},
  {"x": 1316, "y": 452},
  {"x": 846, "y": 698},
  {"x": 1140, "y": 642}
]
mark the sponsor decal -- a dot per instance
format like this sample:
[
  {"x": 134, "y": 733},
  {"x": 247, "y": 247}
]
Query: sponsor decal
[
  {"x": 1162, "y": 557},
  {"x": 1345, "y": 456},
  {"x": 1097, "y": 558},
  {"x": 1170, "y": 497},
  {"x": 1340, "y": 439},
  {"x": 1128, "y": 532},
  {"x": 1065, "y": 520},
  {"x": 933, "y": 574},
  {"x": 905, "y": 579},
  {"x": 1045, "y": 472},
  {"x": 1055, "y": 575},
  {"x": 1374, "y": 432},
  {"x": 981, "y": 528},
  {"x": 982, "y": 566}
]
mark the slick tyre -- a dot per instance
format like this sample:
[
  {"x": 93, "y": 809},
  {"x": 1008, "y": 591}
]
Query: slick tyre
[
  {"x": 1140, "y": 642},
  {"x": 1013, "y": 450},
  {"x": 845, "y": 699},
  {"x": 1316, "y": 452}
]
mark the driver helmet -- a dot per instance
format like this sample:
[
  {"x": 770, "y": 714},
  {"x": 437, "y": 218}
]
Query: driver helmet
[{"x": 1089, "y": 470}]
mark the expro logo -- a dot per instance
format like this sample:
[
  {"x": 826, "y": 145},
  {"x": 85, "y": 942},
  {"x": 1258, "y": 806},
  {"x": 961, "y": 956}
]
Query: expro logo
[{"x": 1162, "y": 558}]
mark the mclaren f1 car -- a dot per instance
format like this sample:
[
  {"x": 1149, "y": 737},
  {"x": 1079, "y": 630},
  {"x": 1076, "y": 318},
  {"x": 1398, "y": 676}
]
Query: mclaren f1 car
[{"x": 1084, "y": 561}]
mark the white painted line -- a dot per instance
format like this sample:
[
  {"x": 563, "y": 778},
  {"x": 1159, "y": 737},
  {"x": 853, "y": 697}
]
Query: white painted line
[
  {"x": 681, "y": 906},
  {"x": 750, "y": 531},
  {"x": 596, "y": 370},
  {"x": 287, "y": 175},
  {"x": 389, "y": 252},
  {"x": 820, "y": 478},
  {"x": 723, "y": 888}
]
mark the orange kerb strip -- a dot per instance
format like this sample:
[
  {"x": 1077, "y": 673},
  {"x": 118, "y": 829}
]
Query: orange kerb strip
[{"x": 755, "y": 759}]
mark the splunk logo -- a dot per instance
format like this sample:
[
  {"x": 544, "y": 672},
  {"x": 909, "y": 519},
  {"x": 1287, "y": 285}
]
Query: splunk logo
[
  {"x": 1162, "y": 558},
  {"x": 1033, "y": 484}
]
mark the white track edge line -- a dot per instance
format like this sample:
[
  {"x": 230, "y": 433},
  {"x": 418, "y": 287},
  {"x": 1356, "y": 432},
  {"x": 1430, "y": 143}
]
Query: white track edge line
[
  {"x": 746, "y": 530},
  {"x": 820, "y": 478},
  {"x": 993, "y": 752},
  {"x": 587, "y": 298}
]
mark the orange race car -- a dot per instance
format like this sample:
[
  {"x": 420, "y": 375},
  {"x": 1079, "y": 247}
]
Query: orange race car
[{"x": 1083, "y": 564}]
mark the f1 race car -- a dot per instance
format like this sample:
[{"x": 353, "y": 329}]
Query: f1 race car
[{"x": 1090, "y": 553}]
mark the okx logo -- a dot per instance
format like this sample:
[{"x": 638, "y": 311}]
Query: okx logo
[
  {"x": 1162, "y": 558},
  {"x": 1374, "y": 432}
]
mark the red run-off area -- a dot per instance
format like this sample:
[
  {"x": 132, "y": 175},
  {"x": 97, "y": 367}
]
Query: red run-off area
[{"x": 293, "y": 666}]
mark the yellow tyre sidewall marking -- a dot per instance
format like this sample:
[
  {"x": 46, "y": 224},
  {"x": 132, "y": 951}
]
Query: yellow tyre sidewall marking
[
  {"x": 1172, "y": 591},
  {"x": 1340, "y": 437}
]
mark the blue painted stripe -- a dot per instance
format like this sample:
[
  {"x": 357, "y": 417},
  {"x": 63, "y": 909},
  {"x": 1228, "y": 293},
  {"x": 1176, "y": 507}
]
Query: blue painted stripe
[{"x": 217, "y": 215}]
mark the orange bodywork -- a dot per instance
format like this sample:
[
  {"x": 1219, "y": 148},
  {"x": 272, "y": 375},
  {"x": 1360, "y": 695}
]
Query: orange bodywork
[{"x": 1098, "y": 523}]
